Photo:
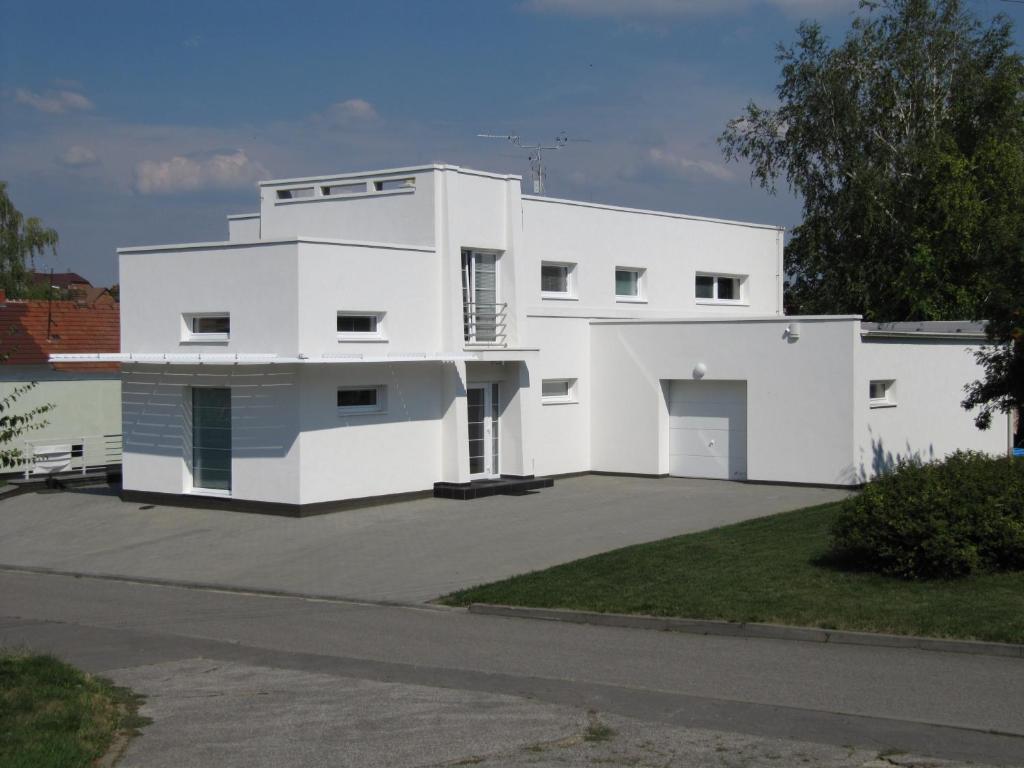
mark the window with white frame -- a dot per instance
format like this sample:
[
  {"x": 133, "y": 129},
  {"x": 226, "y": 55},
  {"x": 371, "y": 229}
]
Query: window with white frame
[
  {"x": 882, "y": 392},
  {"x": 361, "y": 326},
  {"x": 719, "y": 288},
  {"x": 362, "y": 399},
  {"x": 558, "y": 391},
  {"x": 206, "y": 326},
  {"x": 557, "y": 280},
  {"x": 629, "y": 283}
]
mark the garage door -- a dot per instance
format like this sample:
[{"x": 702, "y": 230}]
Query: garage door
[{"x": 708, "y": 429}]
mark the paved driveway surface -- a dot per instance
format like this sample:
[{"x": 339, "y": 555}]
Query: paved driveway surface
[{"x": 408, "y": 552}]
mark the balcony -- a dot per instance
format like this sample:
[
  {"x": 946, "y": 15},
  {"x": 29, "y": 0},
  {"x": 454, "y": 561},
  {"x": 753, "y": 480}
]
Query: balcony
[{"x": 485, "y": 324}]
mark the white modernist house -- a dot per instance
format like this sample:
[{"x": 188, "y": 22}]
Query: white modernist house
[{"x": 373, "y": 334}]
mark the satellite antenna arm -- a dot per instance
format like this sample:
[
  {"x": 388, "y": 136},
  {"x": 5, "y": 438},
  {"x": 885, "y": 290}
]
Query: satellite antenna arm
[{"x": 536, "y": 157}]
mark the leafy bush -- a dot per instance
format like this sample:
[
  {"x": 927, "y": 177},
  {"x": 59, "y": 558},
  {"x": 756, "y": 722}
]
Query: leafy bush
[{"x": 938, "y": 520}]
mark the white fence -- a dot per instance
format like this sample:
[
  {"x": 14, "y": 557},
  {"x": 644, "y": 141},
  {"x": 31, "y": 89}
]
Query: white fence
[{"x": 61, "y": 455}]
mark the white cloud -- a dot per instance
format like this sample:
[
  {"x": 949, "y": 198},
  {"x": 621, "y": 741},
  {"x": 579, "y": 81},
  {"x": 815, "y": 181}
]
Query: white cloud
[
  {"x": 53, "y": 102},
  {"x": 183, "y": 174},
  {"x": 672, "y": 163},
  {"x": 648, "y": 8},
  {"x": 350, "y": 110},
  {"x": 78, "y": 156}
]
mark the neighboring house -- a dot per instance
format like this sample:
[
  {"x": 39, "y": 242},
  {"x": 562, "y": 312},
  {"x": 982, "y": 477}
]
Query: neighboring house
[
  {"x": 85, "y": 424},
  {"x": 372, "y": 334}
]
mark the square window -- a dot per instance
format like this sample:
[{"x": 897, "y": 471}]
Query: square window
[
  {"x": 628, "y": 283},
  {"x": 557, "y": 280},
  {"x": 361, "y": 399},
  {"x": 882, "y": 392},
  {"x": 558, "y": 391}
]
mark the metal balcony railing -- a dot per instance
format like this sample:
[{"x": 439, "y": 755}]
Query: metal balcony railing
[
  {"x": 485, "y": 323},
  {"x": 58, "y": 455}
]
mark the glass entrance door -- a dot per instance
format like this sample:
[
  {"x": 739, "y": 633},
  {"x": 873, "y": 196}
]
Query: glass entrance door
[
  {"x": 482, "y": 409},
  {"x": 211, "y": 439}
]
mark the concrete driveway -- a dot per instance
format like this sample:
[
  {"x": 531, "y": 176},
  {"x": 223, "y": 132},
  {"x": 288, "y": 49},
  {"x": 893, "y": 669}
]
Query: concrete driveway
[{"x": 408, "y": 552}]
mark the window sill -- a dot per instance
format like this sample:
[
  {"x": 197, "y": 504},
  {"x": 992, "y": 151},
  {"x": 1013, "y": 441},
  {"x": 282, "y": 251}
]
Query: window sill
[
  {"x": 345, "y": 412},
  {"x": 361, "y": 337},
  {"x": 629, "y": 300},
  {"x": 212, "y": 339},
  {"x": 558, "y": 297},
  {"x": 559, "y": 402},
  {"x": 723, "y": 302},
  {"x": 882, "y": 404}
]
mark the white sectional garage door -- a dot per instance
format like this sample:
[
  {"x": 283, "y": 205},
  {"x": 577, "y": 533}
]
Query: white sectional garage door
[{"x": 708, "y": 429}]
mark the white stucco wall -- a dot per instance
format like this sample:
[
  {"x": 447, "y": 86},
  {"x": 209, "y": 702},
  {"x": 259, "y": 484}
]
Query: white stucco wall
[
  {"x": 927, "y": 421},
  {"x": 157, "y": 427},
  {"x": 799, "y": 394},
  {"x": 672, "y": 249},
  {"x": 244, "y": 227},
  {"x": 404, "y": 216},
  {"x": 562, "y": 430},
  {"x": 255, "y": 283},
  {"x": 350, "y": 456},
  {"x": 86, "y": 405}
]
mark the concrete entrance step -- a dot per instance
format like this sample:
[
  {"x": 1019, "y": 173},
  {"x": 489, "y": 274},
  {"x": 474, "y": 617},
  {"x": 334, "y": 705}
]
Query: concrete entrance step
[{"x": 507, "y": 486}]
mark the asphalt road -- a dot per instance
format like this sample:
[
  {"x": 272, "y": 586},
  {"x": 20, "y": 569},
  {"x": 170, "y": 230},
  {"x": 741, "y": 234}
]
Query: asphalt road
[{"x": 771, "y": 698}]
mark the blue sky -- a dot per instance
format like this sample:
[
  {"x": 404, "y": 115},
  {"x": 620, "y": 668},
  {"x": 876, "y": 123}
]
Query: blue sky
[{"x": 126, "y": 123}]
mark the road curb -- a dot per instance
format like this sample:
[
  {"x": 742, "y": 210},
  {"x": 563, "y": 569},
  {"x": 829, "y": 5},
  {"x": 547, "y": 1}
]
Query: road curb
[{"x": 741, "y": 629}]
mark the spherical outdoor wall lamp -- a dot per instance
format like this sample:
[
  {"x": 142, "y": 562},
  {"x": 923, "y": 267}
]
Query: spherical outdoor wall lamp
[{"x": 699, "y": 370}]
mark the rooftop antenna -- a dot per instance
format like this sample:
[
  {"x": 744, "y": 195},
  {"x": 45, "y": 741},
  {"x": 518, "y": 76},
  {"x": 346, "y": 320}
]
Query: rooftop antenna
[{"x": 536, "y": 156}]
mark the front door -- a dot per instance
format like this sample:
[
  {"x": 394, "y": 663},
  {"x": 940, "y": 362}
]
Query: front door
[{"x": 482, "y": 408}]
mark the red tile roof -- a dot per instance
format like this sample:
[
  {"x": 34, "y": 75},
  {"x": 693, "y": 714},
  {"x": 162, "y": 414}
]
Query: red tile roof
[{"x": 30, "y": 331}]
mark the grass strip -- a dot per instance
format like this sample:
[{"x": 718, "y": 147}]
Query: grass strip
[
  {"x": 52, "y": 714},
  {"x": 772, "y": 569}
]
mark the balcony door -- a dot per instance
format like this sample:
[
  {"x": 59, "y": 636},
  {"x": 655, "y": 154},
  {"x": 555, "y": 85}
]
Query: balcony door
[
  {"x": 482, "y": 410},
  {"x": 480, "y": 296}
]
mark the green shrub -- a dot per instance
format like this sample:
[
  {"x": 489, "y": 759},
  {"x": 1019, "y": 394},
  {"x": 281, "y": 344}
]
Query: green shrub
[{"x": 938, "y": 520}]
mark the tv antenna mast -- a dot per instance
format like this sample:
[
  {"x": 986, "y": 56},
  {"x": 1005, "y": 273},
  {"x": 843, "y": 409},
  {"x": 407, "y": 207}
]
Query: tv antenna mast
[{"x": 536, "y": 156}]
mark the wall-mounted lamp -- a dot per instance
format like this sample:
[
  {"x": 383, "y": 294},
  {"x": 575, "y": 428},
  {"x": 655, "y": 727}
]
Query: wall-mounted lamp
[
  {"x": 699, "y": 371},
  {"x": 793, "y": 331}
]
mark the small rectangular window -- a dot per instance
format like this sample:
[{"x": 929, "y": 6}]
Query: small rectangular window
[
  {"x": 629, "y": 283},
  {"x": 336, "y": 190},
  {"x": 882, "y": 392},
  {"x": 558, "y": 391},
  {"x": 357, "y": 323},
  {"x": 723, "y": 288},
  {"x": 360, "y": 326},
  {"x": 298, "y": 193},
  {"x": 206, "y": 326},
  {"x": 361, "y": 399},
  {"x": 211, "y": 324},
  {"x": 556, "y": 280},
  {"x": 387, "y": 185}
]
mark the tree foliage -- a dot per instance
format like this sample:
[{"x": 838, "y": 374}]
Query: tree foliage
[
  {"x": 906, "y": 144},
  {"x": 21, "y": 240}
]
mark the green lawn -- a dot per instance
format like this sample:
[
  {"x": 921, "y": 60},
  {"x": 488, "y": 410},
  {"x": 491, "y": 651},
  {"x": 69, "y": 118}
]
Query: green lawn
[
  {"x": 54, "y": 716},
  {"x": 766, "y": 570}
]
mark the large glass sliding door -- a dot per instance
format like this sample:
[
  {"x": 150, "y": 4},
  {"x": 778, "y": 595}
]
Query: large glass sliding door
[{"x": 211, "y": 439}]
